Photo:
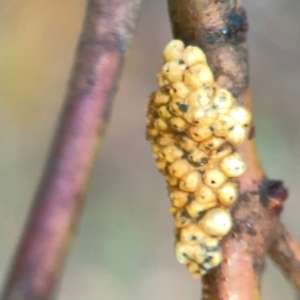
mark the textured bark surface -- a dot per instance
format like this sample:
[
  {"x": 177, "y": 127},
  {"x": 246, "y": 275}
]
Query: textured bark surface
[
  {"x": 107, "y": 30},
  {"x": 220, "y": 29},
  {"x": 285, "y": 252}
]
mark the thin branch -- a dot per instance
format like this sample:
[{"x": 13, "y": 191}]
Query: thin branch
[
  {"x": 220, "y": 29},
  {"x": 285, "y": 252},
  {"x": 39, "y": 261}
]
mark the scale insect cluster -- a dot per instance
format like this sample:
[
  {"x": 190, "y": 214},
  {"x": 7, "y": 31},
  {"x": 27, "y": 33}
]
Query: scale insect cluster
[{"x": 195, "y": 128}]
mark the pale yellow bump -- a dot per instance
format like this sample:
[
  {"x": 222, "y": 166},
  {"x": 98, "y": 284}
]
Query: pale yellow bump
[
  {"x": 161, "y": 81},
  {"x": 179, "y": 90},
  {"x": 201, "y": 116},
  {"x": 163, "y": 112},
  {"x": 236, "y": 135},
  {"x": 193, "y": 55},
  {"x": 194, "y": 270},
  {"x": 192, "y": 234},
  {"x": 155, "y": 150},
  {"x": 171, "y": 153},
  {"x": 190, "y": 182},
  {"x": 240, "y": 115},
  {"x": 161, "y": 165},
  {"x": 192, "y": 80},
  {"x": 197, "y": 157},
  {"x": 233, "y": 165},
  {"x": 172, "y": 71},
  {"x": 182, "y": 220},
  {"x": 160, "y": 125},
  {"x": 200, "y": 253},
  {"x": 179, "y": 198},
  {"x": 152, "y": 133},
  {"x": 214, "y": 178},
  {"x": 216, "y": 259},
  {"x": 222, "y": 101},
  {"x": 198, "y": 99},
  {"x": 187, "y": 144},
  {"x": 165, "y": 140},
  {"x": 203, "y": 72},
  {"x": 213, "y": 143},
  {"x": 222, "y": 125},
  {"x": 173, "y": 181},
  {"x": 179, "y": 168},
  {"x": 216, "y": 222},
  {"x": 209, "y": 89},
  {"x": 161, "y": 98},
  {"x": 210, "y": 242},
  {"x": 221, "y": 152},
  {"x": 206, "y": 196},
  {"x": 173, "y": 210},
  {"x": 195, "y": 208},
  {"x": 227, "y": 194},
  {"x": 178, "y": 124},
  {"x": 173, "y": 51},
  {"x": 184, "y": 252},
  {"x": 199, "y": 134}
]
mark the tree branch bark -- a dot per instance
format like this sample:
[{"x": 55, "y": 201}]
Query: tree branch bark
[
  {"x": 220, "y": 28},
  {"x": 285, "y": 252},
  {"x": 99, "y": 58}
]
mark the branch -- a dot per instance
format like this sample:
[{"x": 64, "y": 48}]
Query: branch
[
  {"x": 107, "y": 30},
  {"x": 285, "y": 252},
  {"x": 220, "y": 29}
]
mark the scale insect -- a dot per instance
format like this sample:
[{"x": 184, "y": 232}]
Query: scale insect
[{"x": 195, "y": 128}]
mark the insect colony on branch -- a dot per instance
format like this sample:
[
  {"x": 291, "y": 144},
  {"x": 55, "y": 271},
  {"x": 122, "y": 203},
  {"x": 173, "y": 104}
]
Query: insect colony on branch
[{"x": 195, "y": 127}]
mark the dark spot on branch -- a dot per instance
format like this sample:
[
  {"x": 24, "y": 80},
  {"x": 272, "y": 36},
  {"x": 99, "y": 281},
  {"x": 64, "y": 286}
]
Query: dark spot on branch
[
  {"x": 213, "y": 37},
  {"x": 237, "y": 227},
  {"x": 251, "y": 133},
  {"x": 251, "y": 231},
  {"x": 257, "y": 263},
  {"x": 275, "y": 189},
  {"x": 244, "y": 197},
  {"x": 272, "y": 195},
  {"x": 236, "y": 27}
]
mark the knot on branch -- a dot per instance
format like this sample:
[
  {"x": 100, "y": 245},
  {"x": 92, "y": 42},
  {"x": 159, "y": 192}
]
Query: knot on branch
[
  {"x": 231, "y": 28},
  {"x": 236, "y": 26},
  {"x": 273, "y": 195}
]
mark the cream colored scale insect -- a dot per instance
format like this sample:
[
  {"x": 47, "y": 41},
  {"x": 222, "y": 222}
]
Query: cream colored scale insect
[{"x": 195, "y": 127}]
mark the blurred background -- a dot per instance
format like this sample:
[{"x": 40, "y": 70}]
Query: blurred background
[{"x": 124, "y": 246}]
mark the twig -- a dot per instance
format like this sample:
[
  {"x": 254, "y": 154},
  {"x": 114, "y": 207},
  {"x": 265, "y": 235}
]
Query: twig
[
  {"x": 285, "y": 252},
  {"x": 220, "y": 28},
  {"x": 39, "y": 261}
]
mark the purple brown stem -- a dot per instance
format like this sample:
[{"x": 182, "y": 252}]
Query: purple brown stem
[
  {"x": 285, "y": 252},
  {"x": 40, "y": 257}
]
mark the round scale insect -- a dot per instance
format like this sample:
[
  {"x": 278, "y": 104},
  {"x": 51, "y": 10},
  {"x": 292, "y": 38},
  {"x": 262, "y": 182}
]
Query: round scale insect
[{"x": 194, "y": 127}]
